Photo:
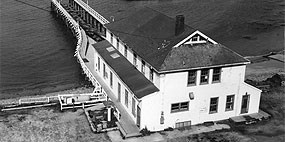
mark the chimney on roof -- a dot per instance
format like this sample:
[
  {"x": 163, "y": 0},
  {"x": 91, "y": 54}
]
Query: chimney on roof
[{"x": 179, "y": 25}]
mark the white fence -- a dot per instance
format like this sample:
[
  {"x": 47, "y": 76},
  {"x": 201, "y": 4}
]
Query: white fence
[
  {"x": 37, "y": 100},
  {"x": 92, "y": 12},
  {"x": 81, "y": 42}
]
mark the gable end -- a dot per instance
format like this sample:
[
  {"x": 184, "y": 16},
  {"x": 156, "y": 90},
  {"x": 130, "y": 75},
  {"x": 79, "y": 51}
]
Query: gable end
[{"x": 196, "y": 37}]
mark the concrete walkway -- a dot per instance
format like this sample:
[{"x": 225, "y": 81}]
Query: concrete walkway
[{"x": 165, "y": 136}]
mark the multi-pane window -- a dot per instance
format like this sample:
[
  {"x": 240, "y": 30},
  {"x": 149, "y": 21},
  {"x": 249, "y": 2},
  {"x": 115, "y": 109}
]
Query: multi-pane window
[
  {"x": 111, "y": 38},
  {"x": 230, "y": 102},
  {"x": 103, "y": 30},
  {"x": 126, "y": 97},
  {"x": 135, "y": 60},
  {"x": 204, "y": 76},
  {"x": 104, "y": 71},
  {"x": 151, "y": 74},
  {"x": 191, "y": 78},
  {"x": 183, "y": 106},
  {"x": 119, "y": 92},
  {"x": 143, "y": 67},
  {"x": 216, "y": 75},
  {"x": 99, "y": 64},
  {"x": 214, "y": 105},
  {"x": 118, "y": 44},
  {"x": 111, "y": 79},
  {"x": 126, "y": 51},
  {"x": 134, "y": 107}
]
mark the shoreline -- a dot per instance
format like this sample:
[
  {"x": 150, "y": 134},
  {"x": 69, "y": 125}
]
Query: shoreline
[
  {"x": 52, "y": 94},
  {"x": 253, "y": 72}
]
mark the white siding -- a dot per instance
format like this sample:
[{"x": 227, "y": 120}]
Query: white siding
[
  {"x": 173, "y": 88},
  {"x": 150, "y": 112}
]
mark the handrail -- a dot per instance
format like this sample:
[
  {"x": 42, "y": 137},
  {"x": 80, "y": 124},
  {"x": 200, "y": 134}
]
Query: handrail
[
  {"x": 79, "y": 35},
  {"x": 91, "y": 11}
]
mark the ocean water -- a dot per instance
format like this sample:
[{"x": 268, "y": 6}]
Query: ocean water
[{"x": 36, "y": 50}]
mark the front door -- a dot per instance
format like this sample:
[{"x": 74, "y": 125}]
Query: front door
[
  {"x": 138, "y": 116},
  {"x": 244, "y": 103}
]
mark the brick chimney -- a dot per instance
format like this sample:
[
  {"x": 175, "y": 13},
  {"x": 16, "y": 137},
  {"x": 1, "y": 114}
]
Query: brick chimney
[{"x": 179, "y": 25}]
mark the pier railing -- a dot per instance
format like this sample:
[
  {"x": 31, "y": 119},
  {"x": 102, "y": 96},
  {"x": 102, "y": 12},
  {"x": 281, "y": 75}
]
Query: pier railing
[
  {"x": 81, "y": 42},
  {"x": 92, "y": 12}
]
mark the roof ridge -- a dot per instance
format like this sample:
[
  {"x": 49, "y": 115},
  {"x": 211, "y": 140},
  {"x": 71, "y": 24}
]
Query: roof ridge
[
  {"x": 167, "y": 16},
  {"x": 172, "y": 18},
  {"x": 223, "y": 46},
  {"x": 165, "y": 58}
]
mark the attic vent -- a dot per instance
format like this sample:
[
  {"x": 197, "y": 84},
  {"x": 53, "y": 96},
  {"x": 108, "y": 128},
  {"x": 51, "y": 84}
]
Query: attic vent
[
  {"x": 110, "y": 49},
  {"x": 115, "y": 55}
]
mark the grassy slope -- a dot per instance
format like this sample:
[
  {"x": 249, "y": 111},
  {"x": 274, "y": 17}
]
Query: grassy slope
[{"x": 46, "y": 125}]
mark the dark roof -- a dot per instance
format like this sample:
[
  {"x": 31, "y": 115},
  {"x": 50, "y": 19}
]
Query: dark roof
[
  {"x": 200, "y": 56},
  {"x": 145, "y": 31},
  {"x": 134, "y": 79}
]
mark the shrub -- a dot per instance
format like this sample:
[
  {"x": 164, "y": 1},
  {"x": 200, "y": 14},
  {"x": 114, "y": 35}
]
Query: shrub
[{"x": 145, "y": 132}]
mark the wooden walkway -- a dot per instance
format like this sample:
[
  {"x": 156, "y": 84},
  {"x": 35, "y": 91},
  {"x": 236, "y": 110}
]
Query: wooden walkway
[{"x": 126, "y": 125}]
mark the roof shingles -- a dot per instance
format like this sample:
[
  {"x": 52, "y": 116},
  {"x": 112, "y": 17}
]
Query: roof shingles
[
  {"x": 200, "y": 56},
  {"x": 146, "y": 31},
  {"x": 135, "y": 80},
  {"x": 151, "y": 35}
]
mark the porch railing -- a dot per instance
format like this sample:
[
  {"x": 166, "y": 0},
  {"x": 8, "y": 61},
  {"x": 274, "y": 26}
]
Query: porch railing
[{"x": 92, "y": 12}]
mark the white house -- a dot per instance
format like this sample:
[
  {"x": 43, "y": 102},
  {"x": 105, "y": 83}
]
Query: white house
[{"x": 168, "y": 74}]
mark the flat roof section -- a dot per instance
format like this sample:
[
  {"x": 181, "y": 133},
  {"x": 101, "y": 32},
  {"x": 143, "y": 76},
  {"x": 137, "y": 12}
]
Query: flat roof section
[{"x": 134, "y": 79}]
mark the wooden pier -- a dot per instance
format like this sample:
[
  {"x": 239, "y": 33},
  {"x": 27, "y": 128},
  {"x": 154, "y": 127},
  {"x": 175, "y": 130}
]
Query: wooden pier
[{"x": 127, "y": 127}]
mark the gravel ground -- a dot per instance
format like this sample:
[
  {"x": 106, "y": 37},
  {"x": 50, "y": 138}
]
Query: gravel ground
[{"x": 46, "y": 124}]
